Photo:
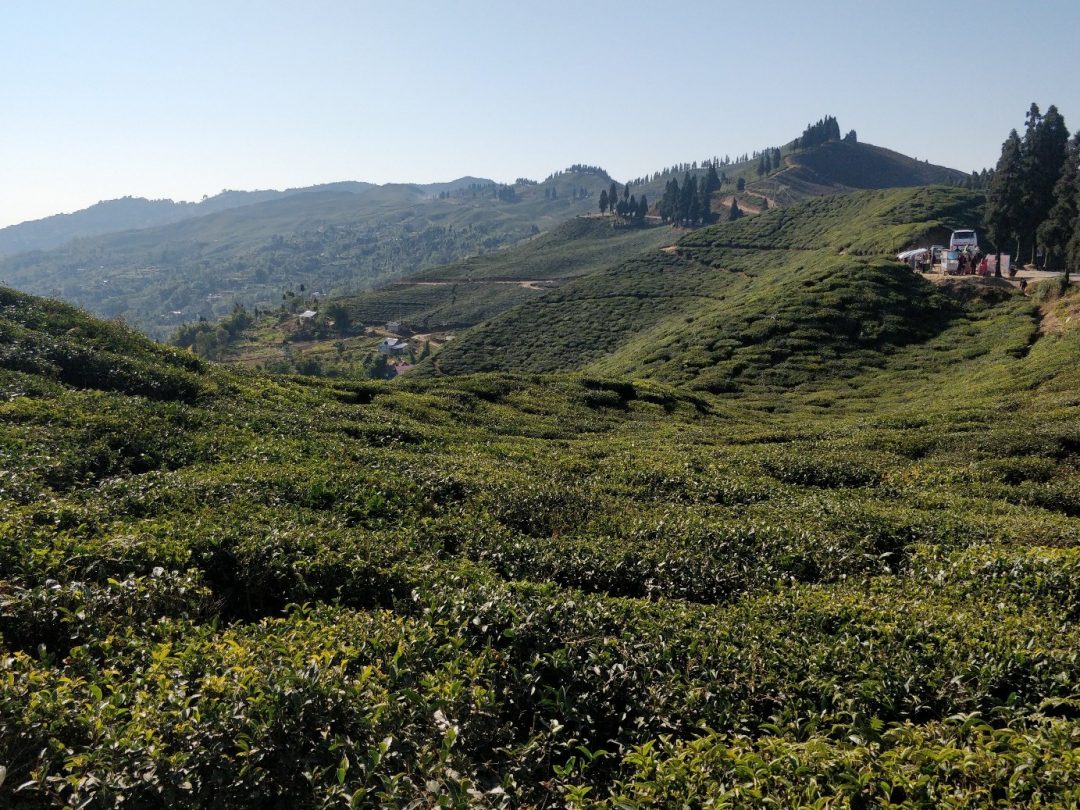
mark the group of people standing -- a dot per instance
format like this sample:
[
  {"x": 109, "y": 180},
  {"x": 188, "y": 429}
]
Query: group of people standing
[{"x": 974, "y": 263}]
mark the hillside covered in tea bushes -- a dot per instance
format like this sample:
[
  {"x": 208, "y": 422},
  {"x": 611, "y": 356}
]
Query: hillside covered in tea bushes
[
  {"x": 226, "y": 589},
  {"x": 806, "y": 294}
]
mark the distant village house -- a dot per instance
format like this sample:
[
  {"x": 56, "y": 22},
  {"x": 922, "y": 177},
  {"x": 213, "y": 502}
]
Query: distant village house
[{"x": 393, "y": 346}]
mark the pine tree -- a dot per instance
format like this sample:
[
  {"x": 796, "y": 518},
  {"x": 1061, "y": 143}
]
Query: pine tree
[
  {"x": 741, "y": 184},
  {"x": 705, "y": 205},
  {"x": 603, "y": 201},
  {"x": 693, "y": 213},
  {"x": 1056, "y": 230},
  {"x": 734, "y": 213},
  {"x": 1043, "y": 151},
  {"x": 669, "y": 205},
  {"x": 613, "y": 195},
  {"x": 1004, "y": 203},
  {"x": 643, "y": 209},
  {"x": 685, "y": 196},
  {"x": 712, "y": 181}
]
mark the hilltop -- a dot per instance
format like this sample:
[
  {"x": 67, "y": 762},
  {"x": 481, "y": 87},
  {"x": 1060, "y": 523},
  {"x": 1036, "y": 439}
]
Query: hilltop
[
  {"x": 796, "y": 172},
  {"x": 840, "y": 166}
]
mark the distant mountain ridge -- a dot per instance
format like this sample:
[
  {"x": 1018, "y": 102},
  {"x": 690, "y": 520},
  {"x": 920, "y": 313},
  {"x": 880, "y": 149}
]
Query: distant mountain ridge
[
  {"x": 123, "y": 214},
  {"x": 135, "y": 213},
  {"x": 335, "y": 239}
]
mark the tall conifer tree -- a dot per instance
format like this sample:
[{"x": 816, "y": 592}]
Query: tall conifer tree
[
  {"x": 1043, "y": 155},
  {"x": 1004, "y": 204},
  {"x": 1057, "y": 229}
]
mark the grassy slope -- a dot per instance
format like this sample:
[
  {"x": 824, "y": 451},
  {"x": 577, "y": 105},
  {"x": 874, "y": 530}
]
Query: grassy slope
[
  {"x": 226, "y": 587},
  {"x": 459, "y": 295},
  {"x": 334, "y": 240},
  {"x": 464, "y": 293},
  {"x": 496, "y": 577},
  {"x": 761, "y": 300}
]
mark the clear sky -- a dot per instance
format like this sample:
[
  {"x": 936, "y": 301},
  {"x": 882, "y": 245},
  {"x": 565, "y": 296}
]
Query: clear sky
[{"x": 181, "y": 98}]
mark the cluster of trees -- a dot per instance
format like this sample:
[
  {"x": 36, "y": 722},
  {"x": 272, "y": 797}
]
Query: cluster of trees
[
  {"x": 825, "y": 130},
  {"x": 211, "y": 340},
  {"x": 579, "y": 168},
  {"x": 628, "y": 207},
  {"x": 576, "y": 193},
  {"x": 769, "y": 161},
  {"x": 691, "y": 203},
  {"x": 975, "y": 181},
  {"x": 500, "y": 191},
  {"x": 1034, "y": 196},
  {"x": 472, "y": 191}
]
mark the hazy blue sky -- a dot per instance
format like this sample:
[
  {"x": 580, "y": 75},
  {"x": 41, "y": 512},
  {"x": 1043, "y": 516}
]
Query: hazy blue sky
[{"x": 179, "y": 99}]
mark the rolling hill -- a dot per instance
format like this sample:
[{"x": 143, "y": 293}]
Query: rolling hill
[
  {"x": 451, "y": 298},
  {"x": 762, "y": 302},
  {"x": 839, "y": 166},
  {"x": 430, "y": 305},
  {"x": 833, "y": 167},
  {"x": 464, "y": 293}
]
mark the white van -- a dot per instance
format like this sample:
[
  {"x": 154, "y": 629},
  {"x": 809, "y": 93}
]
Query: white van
[{"x": 963, "y": 239}]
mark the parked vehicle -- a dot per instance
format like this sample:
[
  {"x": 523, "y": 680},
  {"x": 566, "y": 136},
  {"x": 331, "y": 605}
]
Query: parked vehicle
[{"x": 964, "y": 239}]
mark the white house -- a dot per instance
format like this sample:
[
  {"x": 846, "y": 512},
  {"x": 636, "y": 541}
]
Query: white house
[{"x": 393, "y": 346}]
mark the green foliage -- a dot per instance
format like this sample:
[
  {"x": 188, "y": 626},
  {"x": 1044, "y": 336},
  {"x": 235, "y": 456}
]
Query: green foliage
[
  {"x": 856, "y": 586},
  {"x": 57, "y": 342},
  {"x": 826, "y": 129}
]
